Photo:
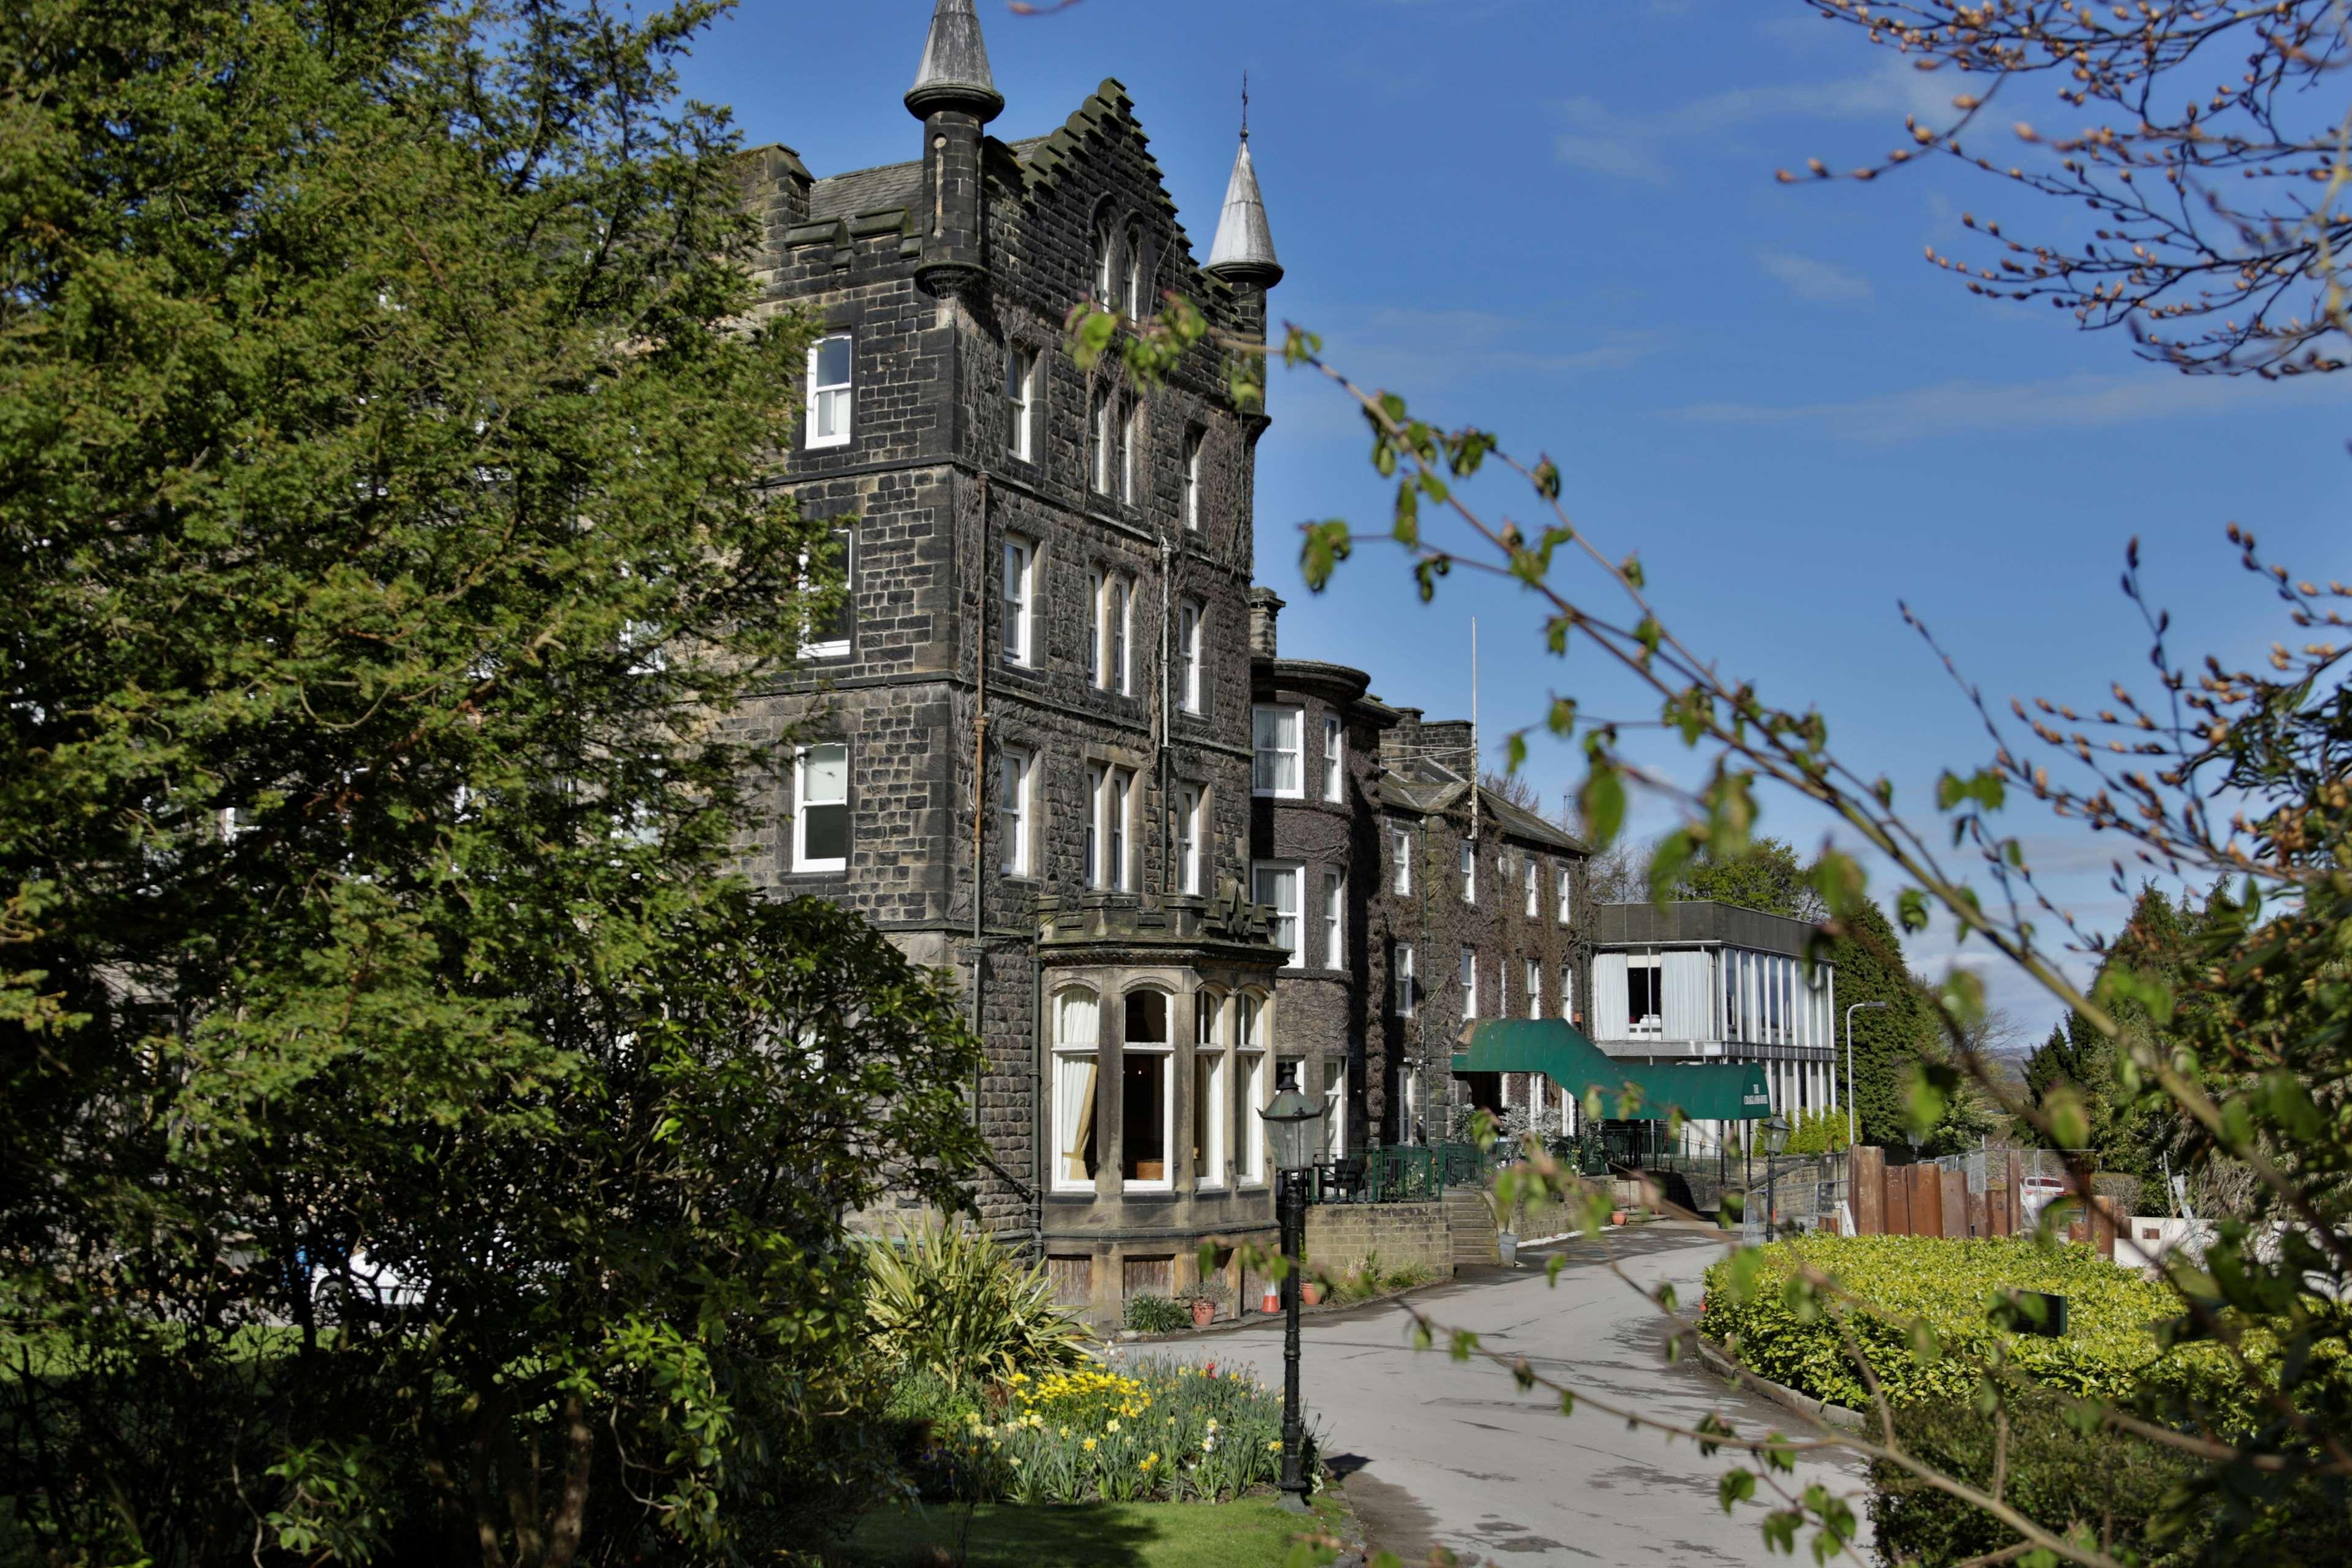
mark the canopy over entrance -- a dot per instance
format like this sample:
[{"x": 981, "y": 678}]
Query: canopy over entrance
[{"x": 1704, "y": 1091}]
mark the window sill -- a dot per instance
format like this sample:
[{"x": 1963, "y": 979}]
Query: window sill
[
  {"x": 839, "y": 446},
  {"x": 1277, "y": 794},
  {"x": 823, "y": 868}
]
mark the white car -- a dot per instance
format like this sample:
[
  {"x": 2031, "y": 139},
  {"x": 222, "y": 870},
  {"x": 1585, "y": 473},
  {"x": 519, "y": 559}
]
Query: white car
[{"x": 2037, "y": 1193}]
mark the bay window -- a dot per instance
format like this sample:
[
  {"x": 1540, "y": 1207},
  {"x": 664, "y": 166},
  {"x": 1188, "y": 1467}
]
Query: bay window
[
  {"x": 1147, "y": 1105},
  {"x": 1078, "y": 1024},
  {"x": 1275, "y": 768}
]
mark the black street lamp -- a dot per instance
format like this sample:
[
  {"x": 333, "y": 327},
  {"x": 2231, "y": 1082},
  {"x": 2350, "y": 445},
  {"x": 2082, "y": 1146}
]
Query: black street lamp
[
  {"x": 1776, "y": 1137},
  {"x": 1290, "y": 1129}
]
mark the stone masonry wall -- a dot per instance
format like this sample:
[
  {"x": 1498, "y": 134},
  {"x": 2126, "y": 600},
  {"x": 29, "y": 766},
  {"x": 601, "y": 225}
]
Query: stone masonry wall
[{"x": 1340, "y": 1238}]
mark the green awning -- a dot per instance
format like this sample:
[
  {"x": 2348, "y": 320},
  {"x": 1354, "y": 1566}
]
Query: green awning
[{"x": 1630, "y": 1092}]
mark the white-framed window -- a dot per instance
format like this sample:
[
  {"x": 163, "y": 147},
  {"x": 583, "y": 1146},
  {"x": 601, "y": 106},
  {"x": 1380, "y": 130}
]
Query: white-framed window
[
  {"x": 1103, "y": 436},
  {"x": 1210, "y": 1113},
  {"x": 1533, "y": 897},
  {"x": 1535, "y": 989},
  {"x": 1192, "y": 836},
  {"x": 1077, "y": 1036},
  {"x": 1335, "y": 920},
  {"x": 1277, "y": 887},
  {"x": 1275, "y": 769},
  {"x": 1335, "y": 760},
  {"x": 1121, "y": 619},
  {"x": 1146, "y": 1095},
  {"x": 1110, "y": 828},
  {"x": 1193, "y": 443},
  {"x": 1335, "y": 1108},
  {"x": 1097, "y": 586},
  {"x": 1401, "y": 975},
  {"x": 1401, "y": 858},
  {"x": 1131, "y": 455},
  {"x": 821, "y": 808},
  {"x": 1469, "y": 985},
  {"x": 829, "y": 637},
  {"x": 1469, "y": 871},
  {"x": 1568, "y": 990},
  {"x": 1021, "y": 403},
  {"x": 1188, "y": 650},
  {"x": 1019, "y": 598},
  {"x": 1105, "y": 250},
  {"x": 1251, "y": 1089},
  {"x": 1567, "y": 886},
  {"x": 1644, "y": 994},
  {"x": 829, "y": 390},
  {"x": 1013, "y": 767}
]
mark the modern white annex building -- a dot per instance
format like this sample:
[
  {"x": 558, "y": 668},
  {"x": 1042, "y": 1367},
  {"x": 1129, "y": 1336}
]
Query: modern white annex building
[{"x": 1710, "y": 982}]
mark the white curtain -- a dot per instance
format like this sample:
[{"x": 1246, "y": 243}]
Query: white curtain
[
  {"x": 1688, "y": 1012},
  {"x": 1609, "y": 996}
]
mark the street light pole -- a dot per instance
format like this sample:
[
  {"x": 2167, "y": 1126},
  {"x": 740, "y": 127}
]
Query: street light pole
[
  {"x": 1776, "y": 1137},
  {"x": 1290, "y": 1129},
  {"x": 1852, "y": 1136}
]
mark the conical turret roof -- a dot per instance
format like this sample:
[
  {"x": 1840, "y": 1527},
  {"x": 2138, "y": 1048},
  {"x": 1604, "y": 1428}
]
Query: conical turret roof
[
  {"x": 954, "y": 73},
  {"x": 1244, "y": 251}
]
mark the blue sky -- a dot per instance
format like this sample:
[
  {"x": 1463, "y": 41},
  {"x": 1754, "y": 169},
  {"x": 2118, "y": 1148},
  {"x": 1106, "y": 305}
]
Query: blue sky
[{"x": 1556, "y": 220}]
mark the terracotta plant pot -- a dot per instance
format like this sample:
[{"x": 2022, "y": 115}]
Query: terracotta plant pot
[
  {"x": 1310, "y": 1293},
  {"x": 1204, "y": 1313},
  {"x": 1616, "y": 1216}
]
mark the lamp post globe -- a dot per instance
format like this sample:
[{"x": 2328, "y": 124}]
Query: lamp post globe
[
  {"x": 1290, "y": 1131},
  {"x": 1776, "y": 1134}
]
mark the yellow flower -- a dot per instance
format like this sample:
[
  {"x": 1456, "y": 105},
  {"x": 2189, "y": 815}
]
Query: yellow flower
[
  {"x": 1112, "y": 1427},
  {"x": 1065, "y": 1431},
  {"x": 1151, "y": 1460},
  {"x": 1016, "y": 1461},
  {"x": 1274, "y": 1447},
  {"x": 1212, "y": 1423},
  {"x": 1091, "y": 1444}
]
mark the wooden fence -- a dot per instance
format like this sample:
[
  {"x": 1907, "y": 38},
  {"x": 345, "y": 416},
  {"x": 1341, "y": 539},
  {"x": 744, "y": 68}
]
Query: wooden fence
[{"x": 1930, "y": 1200}]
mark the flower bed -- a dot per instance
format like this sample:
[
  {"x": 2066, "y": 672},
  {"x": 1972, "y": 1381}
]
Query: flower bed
[
  {"x": 1159, "y": 1430},
  {"x": 2109, "y": 1351}
]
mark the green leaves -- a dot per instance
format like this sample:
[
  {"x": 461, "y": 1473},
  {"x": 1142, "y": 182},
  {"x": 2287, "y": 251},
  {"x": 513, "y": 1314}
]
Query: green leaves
[
  {"x": 1325, "y": 544},
  {"x": 1602, "y": 800}
]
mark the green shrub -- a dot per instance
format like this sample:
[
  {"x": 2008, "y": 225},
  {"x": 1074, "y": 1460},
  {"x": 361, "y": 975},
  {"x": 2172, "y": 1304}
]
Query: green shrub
[
  {"x": 1157, "y": 1315},
  {"x": 955, "y": 1300},
  {"x": 2108, "y": 1484},
  {"x": 2109, "y": 1351}
]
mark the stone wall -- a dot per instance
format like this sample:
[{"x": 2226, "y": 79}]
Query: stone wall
[{"x": 1342, "y": 1237}]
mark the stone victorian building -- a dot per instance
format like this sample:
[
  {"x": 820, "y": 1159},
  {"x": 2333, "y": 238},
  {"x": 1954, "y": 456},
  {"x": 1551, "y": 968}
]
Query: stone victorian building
[
  {"x": 1411, "y": 903},
  {"x": 1023, "y": 748}
]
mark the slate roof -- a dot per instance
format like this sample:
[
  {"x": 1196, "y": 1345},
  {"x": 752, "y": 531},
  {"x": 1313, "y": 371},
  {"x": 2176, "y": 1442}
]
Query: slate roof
[
  {"x": 1426, "y": 788},
  {"x": 888, "y": 187}
]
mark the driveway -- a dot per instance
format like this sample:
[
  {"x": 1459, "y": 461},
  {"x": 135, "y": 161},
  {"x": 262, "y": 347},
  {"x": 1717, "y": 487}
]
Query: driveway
[{"x": 1438, "y": 1452}]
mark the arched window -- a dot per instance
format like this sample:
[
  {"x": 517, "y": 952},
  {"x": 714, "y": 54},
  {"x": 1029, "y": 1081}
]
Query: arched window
[
  {"x": 1104, "y": 246},
  {"x": 1210, "y": 1113},
  {"x": 1077, "y": 1037},
  {"x": 1147, "y": 1099},
  {"x": 1131, "y": 292}
]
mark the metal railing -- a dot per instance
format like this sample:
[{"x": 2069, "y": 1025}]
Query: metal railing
[{"x": 1419, "y": 1172}]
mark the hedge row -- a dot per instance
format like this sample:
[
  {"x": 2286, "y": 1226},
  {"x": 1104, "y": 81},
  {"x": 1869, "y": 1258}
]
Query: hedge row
[{"x": 1757, "y": 1305}]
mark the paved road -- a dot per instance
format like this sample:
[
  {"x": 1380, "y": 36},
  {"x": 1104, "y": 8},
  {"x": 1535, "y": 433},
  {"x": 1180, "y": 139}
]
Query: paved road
[{"x": 1439, "y": 1452}]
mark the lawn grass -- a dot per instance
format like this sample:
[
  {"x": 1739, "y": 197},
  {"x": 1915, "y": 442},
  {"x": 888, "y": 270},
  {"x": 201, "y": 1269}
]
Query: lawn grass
[{"x": 1253, "y": 1532}]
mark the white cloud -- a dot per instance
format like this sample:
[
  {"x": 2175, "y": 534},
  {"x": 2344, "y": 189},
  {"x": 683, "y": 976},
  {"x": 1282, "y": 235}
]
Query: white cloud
[
  {"x": 2080, "y": 401},
  {"x": 1822, "y": 282},
  {"x": 1631, "y": 145}
]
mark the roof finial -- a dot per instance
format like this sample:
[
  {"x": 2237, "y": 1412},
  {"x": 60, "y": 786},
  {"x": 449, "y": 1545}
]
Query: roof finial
[
  {"x": 1245, "y": 106},
  {"x": 1243, "y": 253}
]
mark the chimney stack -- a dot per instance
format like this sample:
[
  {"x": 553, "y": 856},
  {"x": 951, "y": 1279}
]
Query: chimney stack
[{"x": 1264, "y": 607}]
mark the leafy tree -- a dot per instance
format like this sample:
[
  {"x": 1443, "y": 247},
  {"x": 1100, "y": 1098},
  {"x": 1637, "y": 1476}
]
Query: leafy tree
[
  {"x": 1765, "y": 875},
  {"x": 412, "y": 1144}
]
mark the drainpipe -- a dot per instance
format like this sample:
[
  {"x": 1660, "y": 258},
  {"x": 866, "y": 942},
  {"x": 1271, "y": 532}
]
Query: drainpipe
[
  {"x": 1168, "y": 875},
  {"x": 980, "y": 785}
]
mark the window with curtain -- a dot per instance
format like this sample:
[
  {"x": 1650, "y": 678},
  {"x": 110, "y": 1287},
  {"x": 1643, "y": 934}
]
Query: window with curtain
[
  {"x": 1077, "y": 1033},
  {"x": 829, "y": 390},
  {"x": 1277, "y": 887},
  {"x": 1251, "y": 1092},
  {"x": 1211, "y": 1114},
  {"x": 1275, "y": 764},
  {"x": 1335, "y": 920},
  {"x": 1013, "y": 770}
]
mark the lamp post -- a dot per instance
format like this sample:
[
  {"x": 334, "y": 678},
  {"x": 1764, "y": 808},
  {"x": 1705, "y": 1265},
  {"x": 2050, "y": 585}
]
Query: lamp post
[
  {"x": 1776, "y": 1137},
  {"x": 1290, "y": 1129},
  {"x": 1852, "y": 1137}
]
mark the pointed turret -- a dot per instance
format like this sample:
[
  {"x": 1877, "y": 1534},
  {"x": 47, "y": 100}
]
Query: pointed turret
[
  {"x": 954, "y": 73},
  {"x": 1243, "y": 252}
]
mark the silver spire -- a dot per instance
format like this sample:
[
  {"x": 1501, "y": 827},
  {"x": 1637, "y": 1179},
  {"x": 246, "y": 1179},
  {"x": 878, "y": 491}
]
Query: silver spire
[
  {"x": 1244, "y": 250},
  {"x": 954, "y": 73}
]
